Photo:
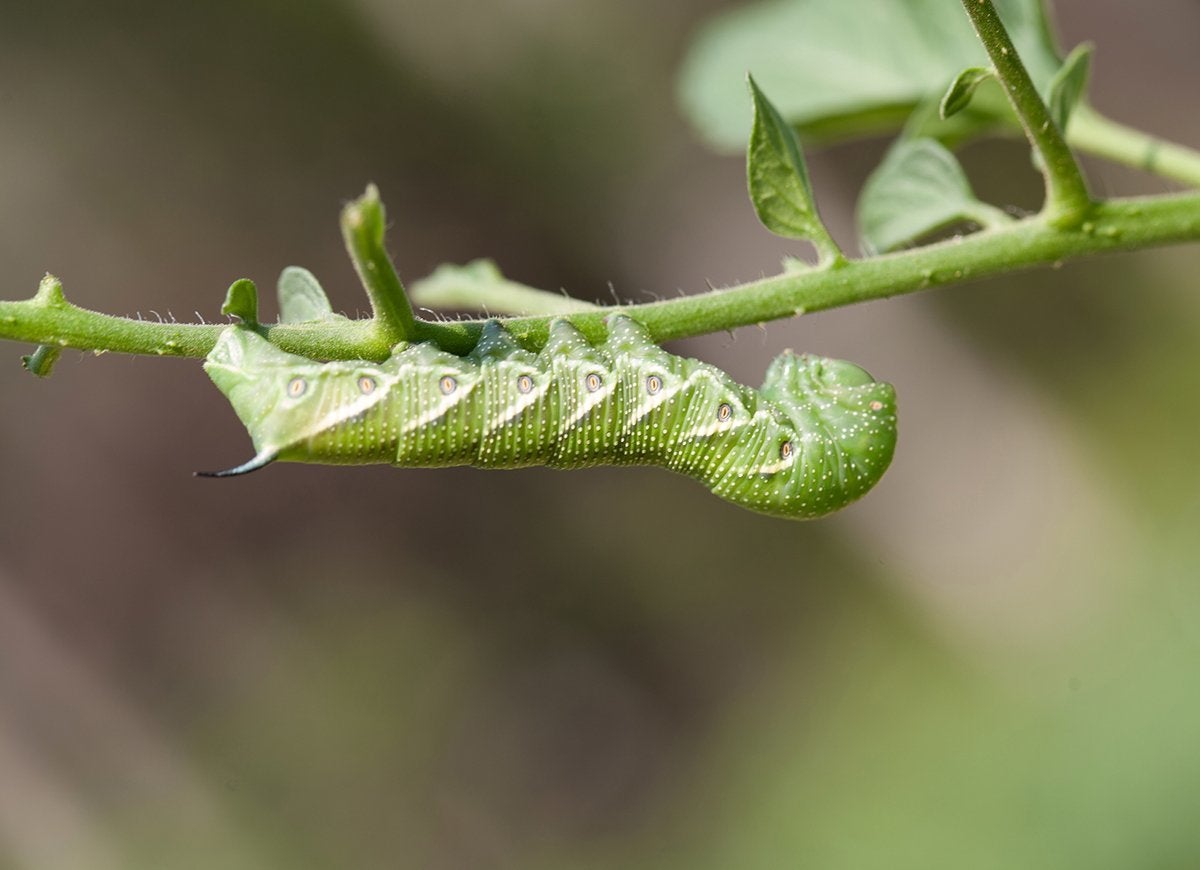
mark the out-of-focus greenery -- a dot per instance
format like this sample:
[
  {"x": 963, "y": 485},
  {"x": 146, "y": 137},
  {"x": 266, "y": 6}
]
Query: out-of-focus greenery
[
  {"x": 843, "y": 68},
  {"x": 990, "y": 662}
]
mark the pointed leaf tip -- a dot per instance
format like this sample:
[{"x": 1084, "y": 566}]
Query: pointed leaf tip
[{"x": 778, "y": 178}]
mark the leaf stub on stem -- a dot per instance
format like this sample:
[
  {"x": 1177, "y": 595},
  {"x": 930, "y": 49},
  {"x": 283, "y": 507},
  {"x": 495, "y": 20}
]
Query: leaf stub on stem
[
  {"x": 41, "y": 361},
  {"x": 241, "y": 301},
  {"x": 363, "y": 224},
  {"x": 50, "y": 292}
]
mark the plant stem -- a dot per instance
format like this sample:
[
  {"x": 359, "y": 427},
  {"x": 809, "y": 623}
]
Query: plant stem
[
  {"x": 1067, "y": 198},
  {"x": 1119, "y": 224},
  {"x": 1092, "y": 132},
  {"x": 66, "y": 325},
  {"x": 363, "y": 225},
  {"x": 1115, "y": 225}
]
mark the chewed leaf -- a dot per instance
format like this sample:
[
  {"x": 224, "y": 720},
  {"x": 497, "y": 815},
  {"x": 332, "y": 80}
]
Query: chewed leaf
[
  {"x": 480, "y": 286},
  {"x": 301, "y": 298},
  {"x": 778, "y": 179},
  {"x": 1069, "y": 85},
  {"x": 838, "y": 69},
  {"x": 919, "y": 188},
  {"x": 241, "y": 300}
]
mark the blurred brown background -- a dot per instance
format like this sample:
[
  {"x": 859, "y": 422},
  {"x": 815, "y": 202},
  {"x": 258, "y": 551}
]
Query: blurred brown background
[{"x": 989, "y": 662}]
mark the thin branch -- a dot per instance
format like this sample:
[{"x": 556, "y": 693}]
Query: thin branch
[
  {"x": 1092, "y": 132},
  {"x": 1067, "y": 198},
  {"x": 1115, "y": 225},
  {"x": 61, "y": 324}
]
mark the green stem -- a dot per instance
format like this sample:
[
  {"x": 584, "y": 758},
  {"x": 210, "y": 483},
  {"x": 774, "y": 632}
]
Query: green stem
[
  {"x": 1090, "y": 131},
  {"x": 363, "y": 225},
  {"x": 1067, "y": 198},
  {"x": 62, "y": 325},
  {"x": 1115, "y": 225}
]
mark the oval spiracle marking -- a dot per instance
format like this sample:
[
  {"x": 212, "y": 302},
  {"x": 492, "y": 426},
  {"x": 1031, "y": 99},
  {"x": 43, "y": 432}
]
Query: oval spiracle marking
[
  {"x": 653, "y": 384},
  {"x": 447, "y": 385},
  {"x": 524, "y": 384},
  {"x": 592, "y": 382},
  {"x": 724, "y": 412},
  {"x": 366, "y": 385},
  {"x": 296, "y": 387}
]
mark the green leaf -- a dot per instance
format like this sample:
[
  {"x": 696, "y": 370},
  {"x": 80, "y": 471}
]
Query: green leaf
[
  {"x": 480, "y": 286},
  {"x": 839, "y": 68},
  {"x": 241, "y": 300},
  {"x": 958, "y": 95},
  {"x": 778, "y": 179},
  {"x": 1069, "y": 84},
  {"x": 42, "y": 360},
  {"x": 301, "y": 298},
  {"x": 919, "y": 188}
]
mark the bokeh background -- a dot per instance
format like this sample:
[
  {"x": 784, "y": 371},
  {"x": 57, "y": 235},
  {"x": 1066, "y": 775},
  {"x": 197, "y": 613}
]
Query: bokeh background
[{"x": 990, "y": 662}]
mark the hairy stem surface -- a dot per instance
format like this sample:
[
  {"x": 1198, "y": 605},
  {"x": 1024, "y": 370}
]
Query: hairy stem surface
[{"x": 1115, "y": 225}]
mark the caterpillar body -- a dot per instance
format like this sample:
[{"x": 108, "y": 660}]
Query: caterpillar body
[{"x": 816, "y": 436}]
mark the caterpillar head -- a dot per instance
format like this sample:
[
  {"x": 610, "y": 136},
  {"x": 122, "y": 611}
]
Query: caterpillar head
[
  {"x": 857, "y": 411},
  {"x": 791, "y": 376},
  {"x": 289, "y": 404}
]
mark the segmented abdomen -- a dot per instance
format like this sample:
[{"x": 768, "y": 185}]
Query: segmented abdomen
[{"x": 817, "y": 435}]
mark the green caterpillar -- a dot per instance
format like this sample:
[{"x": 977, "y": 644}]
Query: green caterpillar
[{"x": 816, "y": 436}]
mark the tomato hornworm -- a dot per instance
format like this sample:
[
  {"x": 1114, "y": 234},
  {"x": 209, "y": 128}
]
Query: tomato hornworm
[{"x": 818, "y": 434}]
